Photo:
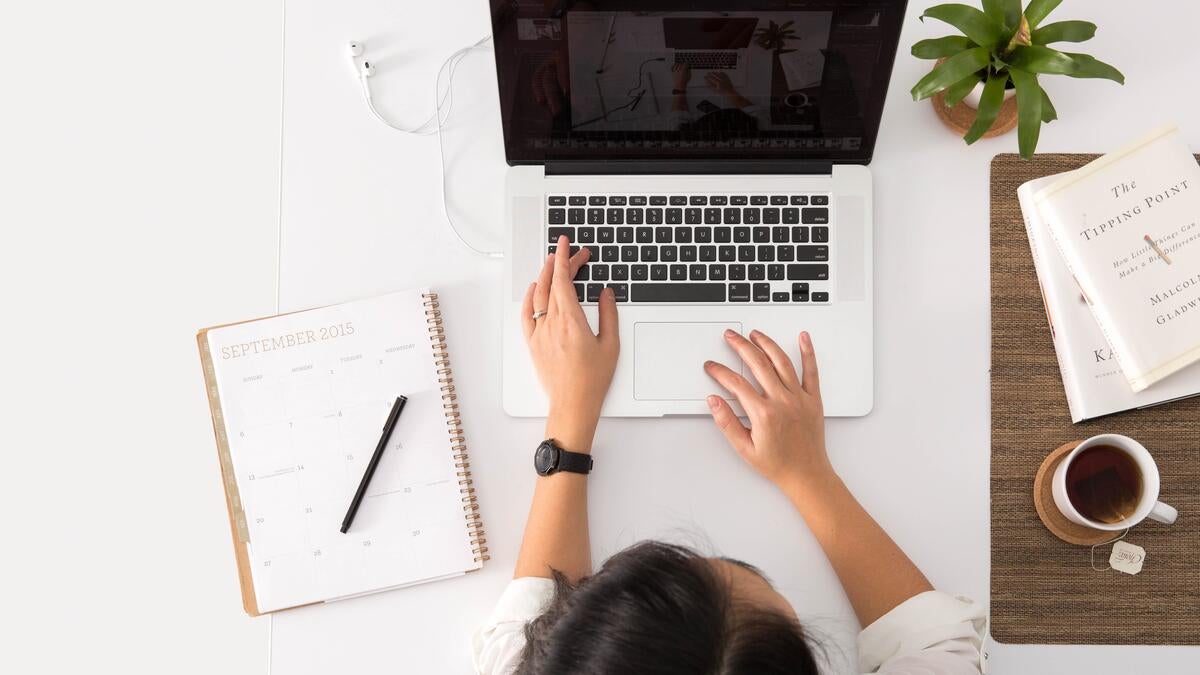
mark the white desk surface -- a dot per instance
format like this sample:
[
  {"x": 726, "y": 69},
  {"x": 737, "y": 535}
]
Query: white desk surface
[{"x": 360, "y": 215}]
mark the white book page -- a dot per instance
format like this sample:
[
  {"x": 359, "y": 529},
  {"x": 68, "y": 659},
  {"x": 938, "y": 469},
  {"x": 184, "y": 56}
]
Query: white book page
[{"x": 305, "y": 397}]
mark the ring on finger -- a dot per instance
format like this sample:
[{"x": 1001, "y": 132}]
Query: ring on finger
[{"x": 537, "y": 314}]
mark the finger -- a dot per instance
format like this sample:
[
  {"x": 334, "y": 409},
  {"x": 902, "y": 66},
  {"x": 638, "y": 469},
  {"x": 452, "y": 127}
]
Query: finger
[
  {"x": 541, "y": 297},
  {"x": 808, "y": 364},
  {"x": 782, "y": 364},
  {"x": 735, "y": 384},
  {"x": 581, "y": 258},
  {"x": 562, "y": 293},
  {"x": 527, "y": 321},
  {"x": 754, "y": 357},
  {"x": 735, "y": 432},
  {"x": 608, "y": 333}
]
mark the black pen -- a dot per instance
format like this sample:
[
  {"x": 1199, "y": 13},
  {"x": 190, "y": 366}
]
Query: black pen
[{"x": 388, "y": 426}]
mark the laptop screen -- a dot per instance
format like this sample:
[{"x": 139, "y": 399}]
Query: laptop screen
[{"x": 770, "y": 80}]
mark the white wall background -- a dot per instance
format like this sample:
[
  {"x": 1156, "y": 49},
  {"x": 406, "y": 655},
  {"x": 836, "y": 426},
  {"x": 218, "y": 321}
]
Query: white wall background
[{"x": 139, "y": 150}]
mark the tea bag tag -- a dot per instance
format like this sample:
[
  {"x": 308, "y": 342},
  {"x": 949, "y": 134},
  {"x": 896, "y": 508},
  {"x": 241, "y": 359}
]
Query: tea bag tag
[{"x": 1127, "y": 557}]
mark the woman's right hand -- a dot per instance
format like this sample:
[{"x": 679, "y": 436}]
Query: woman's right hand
[{"x": 786, "y": 438}]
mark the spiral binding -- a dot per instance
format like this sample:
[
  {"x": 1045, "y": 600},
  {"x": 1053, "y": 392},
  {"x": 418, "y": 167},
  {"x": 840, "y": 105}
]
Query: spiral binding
[{"x": 458, "y": 442}]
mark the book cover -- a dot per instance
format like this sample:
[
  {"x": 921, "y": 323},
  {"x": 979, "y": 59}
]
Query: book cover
[
  {"x": 1092, "y": 380},
  {"x": 1126, "y": 226}
]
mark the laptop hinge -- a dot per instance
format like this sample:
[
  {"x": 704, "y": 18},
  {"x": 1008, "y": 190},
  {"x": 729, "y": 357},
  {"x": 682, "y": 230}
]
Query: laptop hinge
[{"x": 623, "y": 167}]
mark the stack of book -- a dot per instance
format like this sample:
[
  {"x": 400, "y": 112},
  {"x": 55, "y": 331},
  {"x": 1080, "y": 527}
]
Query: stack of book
[{"x": 1116, "y": 246}]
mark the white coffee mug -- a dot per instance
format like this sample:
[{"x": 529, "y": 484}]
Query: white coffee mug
[{"x": 1148, "y": 505}]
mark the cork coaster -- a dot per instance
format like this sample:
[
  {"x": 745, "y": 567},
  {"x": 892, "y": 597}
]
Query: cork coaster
[
  {"x": 962, "y": 116},
  {"x": 1047, "y": 510}
]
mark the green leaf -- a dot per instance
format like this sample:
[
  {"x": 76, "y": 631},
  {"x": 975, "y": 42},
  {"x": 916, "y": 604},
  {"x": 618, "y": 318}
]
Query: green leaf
[
  {"x": 1091, "y": 67},
  {"x": 959, "y": 90},
  {"x": 1012, "y": 13},
  {"x": 936, "y": 48},
  {"x": 1038, "y": 9},
  {"x": 952, "y": 70},
  {"x": 1049, "y": 114},
  {"x": 1029, "y": 111},
  {"x": 989, "y": 107},
  {"x": 973, "y": 23},
  {"x": 994, "y": 9},
  {"x": 1038, "y": 59},
  {"x": 1064, "y": 31}
]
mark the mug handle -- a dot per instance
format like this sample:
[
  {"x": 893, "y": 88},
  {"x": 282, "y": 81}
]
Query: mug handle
[{"x": 1163, "y": 513}]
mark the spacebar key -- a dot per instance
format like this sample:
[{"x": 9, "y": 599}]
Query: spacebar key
[{"x": 677, "y": 292}]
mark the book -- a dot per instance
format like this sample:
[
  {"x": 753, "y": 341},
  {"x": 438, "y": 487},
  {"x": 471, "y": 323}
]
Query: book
[
  {"x": 298, "y": 403},
  {"x": 1126, "y": 226},
  {"x": 1094, "y": 384}
]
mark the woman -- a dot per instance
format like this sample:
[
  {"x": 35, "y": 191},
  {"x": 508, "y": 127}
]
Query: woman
[{"x": 657, "y": 608}]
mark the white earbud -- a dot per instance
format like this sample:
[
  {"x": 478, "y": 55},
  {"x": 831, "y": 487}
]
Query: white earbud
[
  {"x": 355, "y": 48},
  {"x": 368, "y": 69}
]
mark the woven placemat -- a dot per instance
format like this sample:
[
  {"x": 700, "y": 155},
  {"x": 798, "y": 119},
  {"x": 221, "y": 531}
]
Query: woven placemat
[{"x": 1044, "y": 590}]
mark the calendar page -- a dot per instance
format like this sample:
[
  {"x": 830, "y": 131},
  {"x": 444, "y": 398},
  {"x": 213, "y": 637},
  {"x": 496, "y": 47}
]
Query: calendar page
[{"x": 304, "y": 399}]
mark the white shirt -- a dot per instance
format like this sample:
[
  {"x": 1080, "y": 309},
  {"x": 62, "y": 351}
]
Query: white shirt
[{"x": 929, "y": 634}]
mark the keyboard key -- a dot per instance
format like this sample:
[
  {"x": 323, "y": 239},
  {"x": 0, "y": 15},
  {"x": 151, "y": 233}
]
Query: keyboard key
[
  {"x": 692, "y": 216},
  {"x": 677, "y": 200},
  {"x": 593, "y": 292},
  {"x": 587, "y": 235},
  {"x": 595, "y": 216},
  {"x": 779, "y": 200},
  {"x": 576, "y": 216},
  {"x": 813, "y": 216},
  {"x": 644, "y": 235},
  {"x": 683, "y": 235},
  {"x": 583, "y": 274},
  {"x": 820, "y": 235},
  {"x": 655, "y": 216},
  {"x": 557, "y": 216},
  {"x": 726, "y": 253},
  {"x": 779, "y": 235},
  {"x": 739, "y": 200},
  {"x": 668, "y": 253},
  {"x": 712, "y": 216},
  {"x": 770, "y": 216},
  {"x": 637, "y": 201},
  {"x": 739, "y": 292},
  {"x": 799, "y": 200},
  {"x": 688, "y": 292},
  {"x": 785, "y": 253},
  {"x": 687, "y": 253},
  {"x": 762, "y": 292},
  {"x": 798, "y": 272},
  {"x": 800, "y": 235},
  {"x": 758, "y": 272},
  {"x": 577, "y": 200},
  {"x": 775, "y": 272},
  {"x": 718, "y": 200},
  {"x": 799, "y": 292},
  {"x": 639, "y": 272},
  {"x": 812, "y": 253},
  {"x": 791, "y": 216},
  {"x": 723, "y": 235},
  {"x": 820, "y": 200},
  {"x": 698, "y": 272},
  {"x": 616, "y": 216},
  {"x": 708, "y": 253},
  {"x": 580, "y": 292},
  {"x": 634, "y": 216},
  {"x": 597, "y": 201},
  {"x": 733, "y": 216},
  {"x": 741, "y": 235},
  {"x": 820, "y": 297},
  {"x": 698, "y": 200},
  {"x": 766, "y": 253},
  {"x": 625, "y": 235},
  {"x": 606, "y": 235},
  {"x": 751, "y": 216},
  {"x": 629, "y": 254},
  {"x": 658, "y": 272},
  {"x": 555, "y": 232},
  {"x": 674, "y": 216},
  {"x": 658, "y": 200},
  {"x": 599, "y": 272},
  {"x": 745, "y": 253},
  {"x": 716, "y": 272},
  {"x": 780, "y": 297},
  {"x": 662, "y": 235},
  {"x": 678, "y": 272},
  {"x": 558, "y": 201},
  {"x": 702, "y": 235},
  {"x": 620, "y": 272},
  {"x": 620, "y": 292},
  {"x": 761, "y": 235},
  {"x": 758, "y": 200},
  {"x": 737, "y": 272},
  {"x": 593, "y": 253},
  {"x": 649, "y": 254},
  {"x": 610, "y": 253},
  {"x": 616, "y": 201}
]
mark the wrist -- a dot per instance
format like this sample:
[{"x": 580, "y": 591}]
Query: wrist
[
  {"x": 805, "y": 487},
  {"x": 573, "y": 430}
]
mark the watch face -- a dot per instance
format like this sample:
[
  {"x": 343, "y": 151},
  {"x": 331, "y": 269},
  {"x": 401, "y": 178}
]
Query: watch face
[{"x": 543, "y": 459}]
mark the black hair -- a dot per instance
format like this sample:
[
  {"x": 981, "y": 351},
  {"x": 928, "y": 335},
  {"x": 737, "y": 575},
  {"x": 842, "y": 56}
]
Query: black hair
[{"x": 660, "y": 609}]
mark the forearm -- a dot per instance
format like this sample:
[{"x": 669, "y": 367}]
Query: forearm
[
  {"x": 876, "y": 574},
  {"x": 556, "y": 532},
  {"x": 679, "y": 103}
]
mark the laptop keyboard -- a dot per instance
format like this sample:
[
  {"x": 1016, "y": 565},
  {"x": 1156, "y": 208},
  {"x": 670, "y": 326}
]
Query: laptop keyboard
[
  {"x": 718, "y": 60},
  {"x": 697, "y": 248}
]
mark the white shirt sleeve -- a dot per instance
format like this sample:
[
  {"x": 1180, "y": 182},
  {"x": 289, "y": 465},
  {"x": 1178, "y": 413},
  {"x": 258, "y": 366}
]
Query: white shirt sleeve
[
  {"x": 496, "y": 647},
  {"x": 932, "y": 633}
]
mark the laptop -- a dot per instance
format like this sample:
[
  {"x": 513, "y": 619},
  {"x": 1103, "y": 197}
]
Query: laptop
[{"x": 707, "y": 202}]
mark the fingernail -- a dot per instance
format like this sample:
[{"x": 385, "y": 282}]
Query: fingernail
[
  {"x": 754, "y": 333},
  {"x": 729, "y": 333},
  {"x": 713, "y": 402},
  {"x": 707, "y": 364},
  {"x": 806, "y": 339}
]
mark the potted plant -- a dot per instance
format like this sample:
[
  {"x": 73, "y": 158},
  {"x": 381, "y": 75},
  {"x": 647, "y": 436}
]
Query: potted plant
[
  {"x": 1003, "y": 48},
  {"x": 774, "y": 36}
]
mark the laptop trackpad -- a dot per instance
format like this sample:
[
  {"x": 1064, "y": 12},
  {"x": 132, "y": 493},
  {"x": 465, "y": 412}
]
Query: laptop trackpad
[{"x": 669, "y": 360}]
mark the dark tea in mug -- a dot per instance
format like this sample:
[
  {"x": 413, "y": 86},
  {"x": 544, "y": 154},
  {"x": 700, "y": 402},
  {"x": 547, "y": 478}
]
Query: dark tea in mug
[{"x": 1104, "y": 484}]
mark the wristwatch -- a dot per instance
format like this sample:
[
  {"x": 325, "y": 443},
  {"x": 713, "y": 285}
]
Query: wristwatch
[
  {"x": 550, "y": 459},
  {"x": 678, "y": 92}
]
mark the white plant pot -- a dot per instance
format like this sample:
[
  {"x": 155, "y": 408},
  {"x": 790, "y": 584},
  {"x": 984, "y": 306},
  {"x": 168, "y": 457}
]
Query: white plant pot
[{"x": 972, "y": 99}]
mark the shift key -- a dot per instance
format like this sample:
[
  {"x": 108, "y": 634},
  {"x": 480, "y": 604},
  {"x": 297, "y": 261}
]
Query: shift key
[{"x": 808, "y": 272}]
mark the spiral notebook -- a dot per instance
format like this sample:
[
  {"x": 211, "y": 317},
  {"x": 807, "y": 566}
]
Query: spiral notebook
[{"x": 298, "y": 403}]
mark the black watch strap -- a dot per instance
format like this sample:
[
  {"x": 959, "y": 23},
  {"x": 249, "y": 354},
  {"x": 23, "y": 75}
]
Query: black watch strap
[
  {"x": 575, "y": 462},
  {"x": 550, "y": 459}
]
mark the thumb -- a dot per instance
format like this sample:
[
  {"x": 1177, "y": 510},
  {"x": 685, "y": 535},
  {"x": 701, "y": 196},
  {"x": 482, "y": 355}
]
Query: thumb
[
  {"x": 735, "y": 432},
  {"x": 609, "y": 330}
]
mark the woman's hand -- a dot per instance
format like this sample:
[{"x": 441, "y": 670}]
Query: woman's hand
[
  {"x": 574, "y": 365},
  {"x": 720, "y": 83},
  {"x": 786, "y": 438},
  {"x": 681, "y": 74}
]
